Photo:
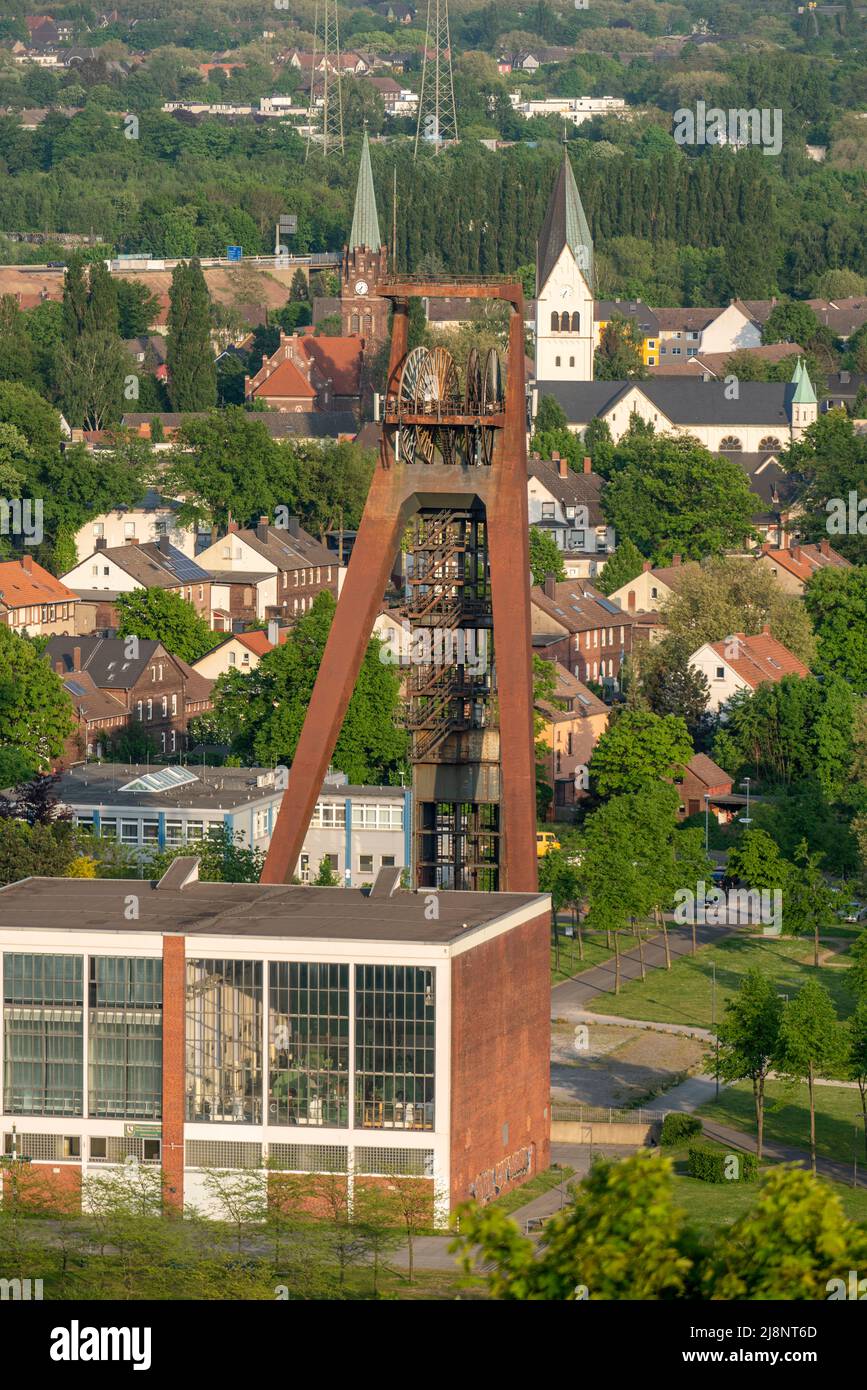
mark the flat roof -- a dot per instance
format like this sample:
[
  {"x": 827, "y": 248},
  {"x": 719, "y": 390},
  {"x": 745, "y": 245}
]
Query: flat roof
[
  {"x": 215, "y": 788},
  {"x": 296, "y": 912}
]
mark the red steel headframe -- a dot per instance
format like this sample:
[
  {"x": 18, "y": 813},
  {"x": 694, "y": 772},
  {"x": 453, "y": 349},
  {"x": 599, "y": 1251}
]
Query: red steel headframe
[{"x": 396, "y": 493}]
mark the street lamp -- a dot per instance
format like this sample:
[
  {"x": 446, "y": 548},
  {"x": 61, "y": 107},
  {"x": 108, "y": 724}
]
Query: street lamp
[
  {"x": 713, "y": 1025},
  {"x": 706, "y": 822},
  {"x": 746, "y": 820}
]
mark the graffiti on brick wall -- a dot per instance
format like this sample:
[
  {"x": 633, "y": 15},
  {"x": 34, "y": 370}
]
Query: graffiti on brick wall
[{"x": 489, "y": 1184}]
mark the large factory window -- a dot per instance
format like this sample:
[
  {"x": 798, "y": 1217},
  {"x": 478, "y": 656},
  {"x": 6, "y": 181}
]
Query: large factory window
[
  {"x": 224, "y": 1041},
  {"x": 394, "y": 1047},
  {"x": 308, "y": 1044},
  {"x": 43, "y": 1027},
  {"x": 125, "y": 1037}
]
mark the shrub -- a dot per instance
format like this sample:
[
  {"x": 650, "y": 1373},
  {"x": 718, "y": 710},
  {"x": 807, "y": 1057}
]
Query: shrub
[
  {"x": 710, "y": 1165},
  {"x": 676, "y": 1128}
]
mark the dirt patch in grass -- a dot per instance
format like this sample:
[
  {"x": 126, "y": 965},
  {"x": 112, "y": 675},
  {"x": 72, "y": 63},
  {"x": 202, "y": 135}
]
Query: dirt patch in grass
[{"x": 620, "y": 1065}]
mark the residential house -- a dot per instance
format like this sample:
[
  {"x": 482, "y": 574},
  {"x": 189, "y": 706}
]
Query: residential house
[
  {"x": 576, "y": 625},
  {"x": 705, "y": 785},
  {"x": 685, "y": 333},
  {"x": 572, "y": 726},
  {"x": 743, "y": 663},
  {"x": 290, "y": 567},
  {"x": 150, "y": 686},
  {"x": 397, "y": 99},
  {"x": 793, "y": 566},
  {"x": 123, "y": 569},
  {"x": 567, "y": 506},
  {"x": 650, "y": 590},
  {"x": 715, "y": 365},
  {"x": 155, "y": 517},
  {"x": 316, "y": 424},
  {"x": 242, "y": 651},
  {"x": 644, "y": 319},
  {"x": 34, "y": 601},
  {"x": 576, "y": 110}
]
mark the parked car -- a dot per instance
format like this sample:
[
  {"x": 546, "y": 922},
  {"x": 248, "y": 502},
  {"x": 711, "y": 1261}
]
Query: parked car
[{"x": 853, "y": 912}]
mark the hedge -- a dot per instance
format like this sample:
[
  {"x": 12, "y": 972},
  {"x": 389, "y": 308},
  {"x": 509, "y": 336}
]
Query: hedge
[
  {"x": 709, "y": 1165},
  {"x": 677, "y": 1127}
]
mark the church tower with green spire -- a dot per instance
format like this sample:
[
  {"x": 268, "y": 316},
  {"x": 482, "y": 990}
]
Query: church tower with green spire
[
  {"x": 365, "y": 263},
  {"x": 564, "y": 286}
]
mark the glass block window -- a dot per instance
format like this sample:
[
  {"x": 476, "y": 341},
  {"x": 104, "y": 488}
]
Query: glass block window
[
  {"x": 308, "y": 1043},
  {"x": 125, "y": 1037},
  {"x": 224, "y": 1041},
  {"x": 309, "y": 1158},
  {"x": 208, "y": 1153},
  {"x": 394, "y": 1047},
  {"x": 50, "y": 1148},
  {"x": 398, "y": 1163},
  {"x": 43, "y": 1031},
  {"x": 113, "y": 1148}
]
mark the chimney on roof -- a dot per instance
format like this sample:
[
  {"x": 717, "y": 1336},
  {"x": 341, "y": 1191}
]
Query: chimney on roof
[
  {"x": 27, "y": 564},
  {"x": 767, "y": 547},
  {"x": 550, "y": 585},
  {"x": 164, "y": 544},
  {"x": 675, "y": 559},
  {"x": 766, "y": 631},
  {"x": 647, "y": 566},
  {"x": 132, "y": 540},
  {"x": 60, "y": 668},
  {"x": 262, "y": 529},
  {"x": 562, "y": 467},
  {"x": 76, "y": 658},
  {"x": 293, "y": 526},
  {"x": 232, "y": 527},
  {"x": 825, "y": 546},
  {"x": 588, "y": 465},
  {"x": 273, "y": 632}
]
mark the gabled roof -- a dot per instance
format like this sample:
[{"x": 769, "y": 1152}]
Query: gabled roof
[
  {"x": 365, "y": 222},
  {"x": 565, "y": 225},
  {"x": 20, "y": 586},
  {"x": 338, "y": 360},
  {"x": 152, "y": 566},
  {"x": 573, "y": 489},
  {"x": 579, "y": 607},
  {"x": 707, "y": 771},
  {"x": 89, "y": 701},
  {"x": 682, "y": 400},
  {"x": 802, "y": 561},
  {"x": 286, "y": 381},
  {"x": 105, "y": 658},
  {"x": 285, "y": 550},
  {"x": 759, "y": 658}
]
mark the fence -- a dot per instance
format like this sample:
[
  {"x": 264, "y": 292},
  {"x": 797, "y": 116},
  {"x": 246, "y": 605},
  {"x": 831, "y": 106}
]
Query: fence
[{"x": 605, "y": 1115}]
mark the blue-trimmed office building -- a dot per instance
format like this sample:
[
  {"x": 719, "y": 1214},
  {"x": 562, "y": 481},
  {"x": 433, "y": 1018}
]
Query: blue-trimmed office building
[{"x": 359, "y": 830}]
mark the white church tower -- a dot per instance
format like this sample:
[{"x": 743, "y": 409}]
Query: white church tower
[{"x": 564, "y": 286}]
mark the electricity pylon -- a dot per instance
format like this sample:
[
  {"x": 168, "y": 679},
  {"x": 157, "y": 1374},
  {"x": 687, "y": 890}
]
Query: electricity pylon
[
  {"x": 332, "y": 95},
  {"x": 437, "y": 117}
]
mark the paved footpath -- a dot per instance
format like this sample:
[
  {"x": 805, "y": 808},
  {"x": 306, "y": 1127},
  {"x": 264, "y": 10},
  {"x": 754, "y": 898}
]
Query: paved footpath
[{"x": 570, "y": 998}]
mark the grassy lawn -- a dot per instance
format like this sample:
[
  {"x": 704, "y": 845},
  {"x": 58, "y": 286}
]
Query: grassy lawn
[
  {"x": 684, "y": 993},
  {"x": 839, "y": 1127},
  {"x": 596, "y": 950},
  {"x": 542, "y": 1182},
  {"x": 710, "y": 1206}
]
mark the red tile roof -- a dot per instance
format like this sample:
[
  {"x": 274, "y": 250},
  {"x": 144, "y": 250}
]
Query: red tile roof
[
  {"x": 760, "y": 658},
  {"x": 803, "y": 560},
  {"x": 286, "y": 381},
  {"x": 337, "y": 359},
  {"x": 20, "y": 586}
]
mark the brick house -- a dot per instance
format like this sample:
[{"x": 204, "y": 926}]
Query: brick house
[
  {"x": 576, "y": 625},
  {"x": 307, "y": 373},
  {"x": 34, "y": 601},
  {"x": 268, "y": 571},
  {"x": 702, "y": 777},
  {"x": 154, "y": 689}
]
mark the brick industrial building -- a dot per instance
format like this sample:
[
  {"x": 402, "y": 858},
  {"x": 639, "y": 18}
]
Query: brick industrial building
[{"x": 199, "y": 1025}]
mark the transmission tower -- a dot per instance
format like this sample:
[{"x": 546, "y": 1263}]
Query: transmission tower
[
  {"x": 437, "y": 117},
  {"x": 332, "y": 95}
]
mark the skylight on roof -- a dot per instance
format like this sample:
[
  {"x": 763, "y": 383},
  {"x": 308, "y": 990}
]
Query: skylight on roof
[{"x": 165, "y": 779}]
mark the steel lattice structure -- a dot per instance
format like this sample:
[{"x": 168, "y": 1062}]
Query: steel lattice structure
[
  {"x": 332, "y": 95},
  {"x": 437, "y": 115},
  {"x": 453, "y": 462}
]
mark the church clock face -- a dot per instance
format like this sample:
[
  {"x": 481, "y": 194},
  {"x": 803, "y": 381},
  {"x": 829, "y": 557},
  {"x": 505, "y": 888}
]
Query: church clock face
[{"x": 361, "y": 287}]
